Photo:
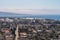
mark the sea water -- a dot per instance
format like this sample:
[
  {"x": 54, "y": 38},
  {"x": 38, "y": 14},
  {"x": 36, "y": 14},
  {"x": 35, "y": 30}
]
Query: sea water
[{"x": 56, "y": 17}]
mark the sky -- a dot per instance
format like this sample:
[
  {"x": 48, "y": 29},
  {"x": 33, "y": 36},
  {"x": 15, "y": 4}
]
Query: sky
[{"x": 30, "y": 6}]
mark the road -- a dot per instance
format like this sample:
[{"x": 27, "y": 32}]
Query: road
[{"x": 16, "y": 32}]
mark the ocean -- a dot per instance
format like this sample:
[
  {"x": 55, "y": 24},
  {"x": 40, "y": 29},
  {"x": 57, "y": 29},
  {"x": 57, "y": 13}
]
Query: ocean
[{"x": 56, "y": 17}]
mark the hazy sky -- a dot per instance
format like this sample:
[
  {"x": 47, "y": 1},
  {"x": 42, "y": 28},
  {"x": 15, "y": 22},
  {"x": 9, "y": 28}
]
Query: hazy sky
[{"x": 21, "y": 6}]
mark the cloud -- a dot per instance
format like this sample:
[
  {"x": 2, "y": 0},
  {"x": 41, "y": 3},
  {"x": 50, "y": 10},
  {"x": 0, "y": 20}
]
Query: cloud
[{"x": 33, "y": 11}]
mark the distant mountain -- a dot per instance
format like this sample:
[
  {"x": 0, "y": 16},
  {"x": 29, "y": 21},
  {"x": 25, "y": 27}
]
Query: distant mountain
[{"x": 10, "y": 13}]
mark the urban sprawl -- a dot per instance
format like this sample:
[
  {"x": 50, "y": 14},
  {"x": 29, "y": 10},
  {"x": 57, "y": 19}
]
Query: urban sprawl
[{"x": 29, "y": 29}]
